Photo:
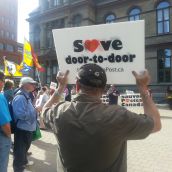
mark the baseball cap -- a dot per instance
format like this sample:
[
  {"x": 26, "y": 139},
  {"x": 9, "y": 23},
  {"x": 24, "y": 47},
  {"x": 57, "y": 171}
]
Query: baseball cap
[
  {"x": 27, "y": 80},
  {"x": 92, "y": 75}
]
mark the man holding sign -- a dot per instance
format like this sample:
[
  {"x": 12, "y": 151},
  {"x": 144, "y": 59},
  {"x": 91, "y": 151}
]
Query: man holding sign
[{"x": 92, "y": 137}]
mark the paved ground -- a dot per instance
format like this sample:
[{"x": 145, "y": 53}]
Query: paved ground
[{"x": 153, "y": 154}]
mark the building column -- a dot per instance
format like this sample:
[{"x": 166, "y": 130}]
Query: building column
[
  {"x": 51, "y": 3},
  {"x": 43, "y": 4},
  {"x": 50, "y": 36},
  {"x": 42, "y": 38}
]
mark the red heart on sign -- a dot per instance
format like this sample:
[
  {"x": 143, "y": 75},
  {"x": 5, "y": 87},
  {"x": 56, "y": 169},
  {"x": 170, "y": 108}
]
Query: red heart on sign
[{"x": 91, "y": 45}]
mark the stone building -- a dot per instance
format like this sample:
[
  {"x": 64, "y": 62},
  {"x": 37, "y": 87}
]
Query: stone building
[
  {"x": 8, "y": 32},
  {"x": 53, "y": 14}
]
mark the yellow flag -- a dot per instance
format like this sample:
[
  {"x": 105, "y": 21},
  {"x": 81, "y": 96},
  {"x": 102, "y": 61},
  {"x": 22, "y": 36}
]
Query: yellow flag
[
  {"x": 27, "y": 54},
  {"x": 12, "y": 69}
]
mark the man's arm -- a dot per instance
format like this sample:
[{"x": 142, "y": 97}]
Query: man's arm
[
  {"x": 55, "y": 98},
  {"x": 6, "y": 129},
  {"x": 142, "y": 80}
]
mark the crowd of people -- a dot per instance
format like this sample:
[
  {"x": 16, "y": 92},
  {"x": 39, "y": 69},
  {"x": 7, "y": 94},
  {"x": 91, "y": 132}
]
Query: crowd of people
[
  {"x": 27, "y": 100},
  {"x": 92, "y": 136}
]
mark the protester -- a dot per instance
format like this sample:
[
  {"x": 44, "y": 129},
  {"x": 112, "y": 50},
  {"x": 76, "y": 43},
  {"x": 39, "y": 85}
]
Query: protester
[
  {"x": 113, "y": 94},
  {"x": 43, "y": 97},
  {"x": 34, "y": 94},
  {"x": 67, "y": 94},
  {"x": 8, "y": 92},
  {"x": 26, "y": 118},
  {"x": 73, "y": 90},
  {"x": 5, "y": 131},
  {"x": 8, "y": 89},
  {"x": 91, "y": 136}
]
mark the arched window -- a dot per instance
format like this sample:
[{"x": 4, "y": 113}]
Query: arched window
[
  {"x": 110, "y": 18},
  {"x": 163, "y": 17},
  {"x": 134, "y": 14},
  {"x": 77, "y": 20},
  {"x": 164, "y": 65}
]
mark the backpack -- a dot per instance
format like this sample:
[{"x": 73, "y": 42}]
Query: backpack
[{"x": 13, "y": 123}]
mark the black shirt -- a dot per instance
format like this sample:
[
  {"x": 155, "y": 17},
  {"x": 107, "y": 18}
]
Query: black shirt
[{"x": 92, "y": 137}]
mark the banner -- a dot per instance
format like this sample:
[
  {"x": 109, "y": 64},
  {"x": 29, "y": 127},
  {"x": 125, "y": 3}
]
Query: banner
[
  {"x": 30, "y": 58},
  {"x": 27, "y": 54},
  {"x": 117, "y": 47},
  {"x": 131, "y": 100},
  {"x": 12, "y": 69}
]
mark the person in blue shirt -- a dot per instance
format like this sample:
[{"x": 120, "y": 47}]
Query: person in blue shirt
[
  {"x": 5, "y": 130},
  {"x": 25, "y": 115}
]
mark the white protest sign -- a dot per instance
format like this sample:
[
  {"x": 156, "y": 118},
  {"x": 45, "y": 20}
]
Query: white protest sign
[
  {"x": 131, "y": 100},
  {"x": 53, "y": 85},
  {"x": 118, "y": 48}
]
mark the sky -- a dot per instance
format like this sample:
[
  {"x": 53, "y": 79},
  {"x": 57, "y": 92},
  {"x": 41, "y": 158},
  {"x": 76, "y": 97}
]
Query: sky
[{"x": 24, "y": 8}]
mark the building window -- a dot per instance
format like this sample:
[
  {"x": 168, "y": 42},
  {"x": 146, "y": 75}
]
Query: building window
[
  {"x": 77, "y": 20},
  {"x": 7, "y": 21},
  {"x": 134, "y": 14},
  {"x": 49, "y": 38},
  {"x": 11, "y": 23},
  {"x": 9, "y": 48},
  {"x": 56, "y": 2},
  {"x": 2, "y": 33},
  {"x": 163, "y": 18},
  {"x": 110, "y": 18},
  {"x": 48, "y": 74},
  {"x": 37, "y": 38},
  {"x": 2, "y": 19},
  {"x": 7, "y": 35},
  {"x": 54, "y": 70},
  {"x": 12, "y": 36},
  {"x": 164, "y": 65},
  {"x": 1, "y": 46}
]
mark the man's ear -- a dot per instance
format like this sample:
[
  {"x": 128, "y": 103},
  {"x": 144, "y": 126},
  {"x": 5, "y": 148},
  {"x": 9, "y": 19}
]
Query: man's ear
[{"x": 77, "y": 86}]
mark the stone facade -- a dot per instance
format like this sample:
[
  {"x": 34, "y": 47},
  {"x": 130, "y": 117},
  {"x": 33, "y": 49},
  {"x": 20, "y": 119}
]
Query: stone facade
[{"x": 53, "y": 14}]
